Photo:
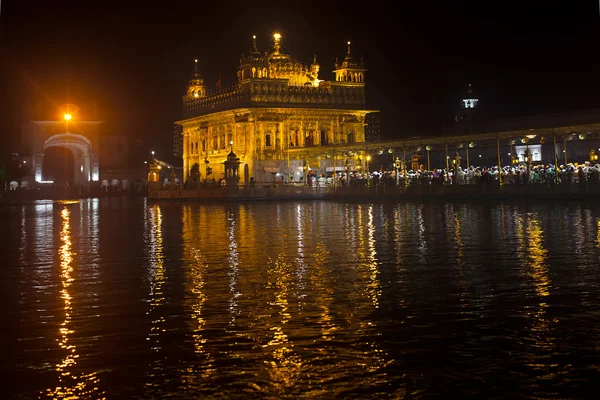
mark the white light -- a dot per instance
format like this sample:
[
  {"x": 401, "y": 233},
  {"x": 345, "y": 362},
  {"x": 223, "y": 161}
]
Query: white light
[
  {"x": 480, "y": 155},
  {"x": 470, "y": 103},
  {"x": 24, "y": 161},
  {"x": 46, "y": 181},
  {"x": 81, "y": 168},
  {"x": 152, "y": 152},
  {"x": 145, "y": 162}
]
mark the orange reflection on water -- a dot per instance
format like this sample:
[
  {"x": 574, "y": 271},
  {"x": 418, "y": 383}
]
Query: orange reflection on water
[
  {"x": 460, "y": 261},
  {"x": 537, "y": 257},
  {"x": 324, "y": 287},
  {"x": 72, "y": 385},
  {"x": 157, "y": 273},
  {"x": 286, "y": 365},
  {"x": 195, "y": 299},
  {"x": 598, "y": 234},
  {"x": 535, "y": 266}
]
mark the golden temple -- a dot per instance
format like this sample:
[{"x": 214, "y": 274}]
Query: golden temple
[{"x": 279, "y": 118}]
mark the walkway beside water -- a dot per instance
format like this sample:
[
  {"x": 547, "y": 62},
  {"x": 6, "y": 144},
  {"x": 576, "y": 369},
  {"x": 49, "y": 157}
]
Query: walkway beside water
[{"x": 492, "y": 191}]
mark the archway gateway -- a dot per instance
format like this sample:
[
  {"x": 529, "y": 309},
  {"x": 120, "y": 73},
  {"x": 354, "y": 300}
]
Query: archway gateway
[
  {"x": 80, "y": 137},
  {"x": 81, "y": 148}
]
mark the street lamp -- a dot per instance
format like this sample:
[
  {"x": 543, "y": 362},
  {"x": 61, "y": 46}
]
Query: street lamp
[{"x": 67, "y": 117}]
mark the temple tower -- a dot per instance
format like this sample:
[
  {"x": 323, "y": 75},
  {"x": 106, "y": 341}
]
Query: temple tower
[
  {"x": 466, "y": 111},
  {"x": 349, "y": 70},
  {"x": 196, "y": 88}
]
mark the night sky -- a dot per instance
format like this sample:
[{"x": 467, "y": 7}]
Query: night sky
[{"x": 130, "y": 60}]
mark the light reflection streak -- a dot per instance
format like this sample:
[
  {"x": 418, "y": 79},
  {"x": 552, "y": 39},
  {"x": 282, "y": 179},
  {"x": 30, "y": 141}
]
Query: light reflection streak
[
  {"x": 351, "y": 224},
  {"x": 234, "y": 262},
  {"x": 531, "y": 243},
  {"x": 460, "y": 261},
  {"x": 300, "y": 258},
  {"x": 72, "y": 385},
  {"x": 157, "y": 279},
  {"x": 422, "y": 246},
  {"x": 23, "y": 238},
  {"x": 286, "y": 364},
  {"x": 321, "y": 280},
  {"x": 195, "y": 279},
  {"x": 399, "y": 218},
  {"x": 374, "y": 286},
  {"x": 370, "y": 285},
  {"x": 598, "y": 233}
]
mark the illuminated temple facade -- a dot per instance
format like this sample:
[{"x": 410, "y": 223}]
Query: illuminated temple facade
[{"x": 279, "y": 118}]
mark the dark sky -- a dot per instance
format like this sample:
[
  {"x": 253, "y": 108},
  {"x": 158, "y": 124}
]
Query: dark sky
[{"x": 133, "y": 58}]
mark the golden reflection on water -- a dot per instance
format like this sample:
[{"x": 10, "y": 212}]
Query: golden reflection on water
[
  {"x": 534, "y": 255},
  {"x": 373, "y": 285},
  {"x": 598, "y": 233},
  {"x": 422, "y": 246},
  {"x": 72, "y": 385},
  {"x": 195, "y": 299},
  {"x": 157, "y": 279},
  {"x": 370, "y": 285},
  {"x": 460, "y": 260},
  {"x": 233, "y": 263},
  {"x": 321, "y": 280},
  {"x": 286, "y": 365}
]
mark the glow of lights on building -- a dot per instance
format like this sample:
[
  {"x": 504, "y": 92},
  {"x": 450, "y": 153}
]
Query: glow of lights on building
[{"x": 470, "y": 103}]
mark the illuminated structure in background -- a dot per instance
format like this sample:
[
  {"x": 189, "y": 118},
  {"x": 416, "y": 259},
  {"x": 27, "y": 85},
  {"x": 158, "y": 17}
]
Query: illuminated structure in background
[
  {"x": 98, "y": 156},
  {"x": 279, "y": 115},
  {"x": 466, "y": 112},
  {"x": 80, "y": 137}
]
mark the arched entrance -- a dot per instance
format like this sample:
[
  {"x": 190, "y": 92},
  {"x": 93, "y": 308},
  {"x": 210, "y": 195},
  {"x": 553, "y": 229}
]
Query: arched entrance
[
  {"x": 85, "y": 164},
  {"x": 58, "y": 166},
  {"x": 79, "y": 138}
]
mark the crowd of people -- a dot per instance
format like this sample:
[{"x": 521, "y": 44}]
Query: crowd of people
[{"x": 571, "y": 173}]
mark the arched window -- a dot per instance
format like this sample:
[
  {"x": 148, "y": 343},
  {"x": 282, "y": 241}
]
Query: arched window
[
  {"x": 203, "y": 145},
  {"x": 267, "y": 140}
]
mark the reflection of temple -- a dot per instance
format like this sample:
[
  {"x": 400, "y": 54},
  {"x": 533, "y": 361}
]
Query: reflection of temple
[{"x": 277, "y": 114}]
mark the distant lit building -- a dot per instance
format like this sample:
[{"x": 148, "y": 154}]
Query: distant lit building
[
  {"x": 278, "y": 118},
  {"x": 466, "y": 112},
  {"x": 80, "y": 137},
  {"x": 98, "y": 157}
]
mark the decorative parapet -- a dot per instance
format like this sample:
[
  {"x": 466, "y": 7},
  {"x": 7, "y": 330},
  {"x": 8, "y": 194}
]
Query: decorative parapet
[{"x": 276, "y": 92}]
